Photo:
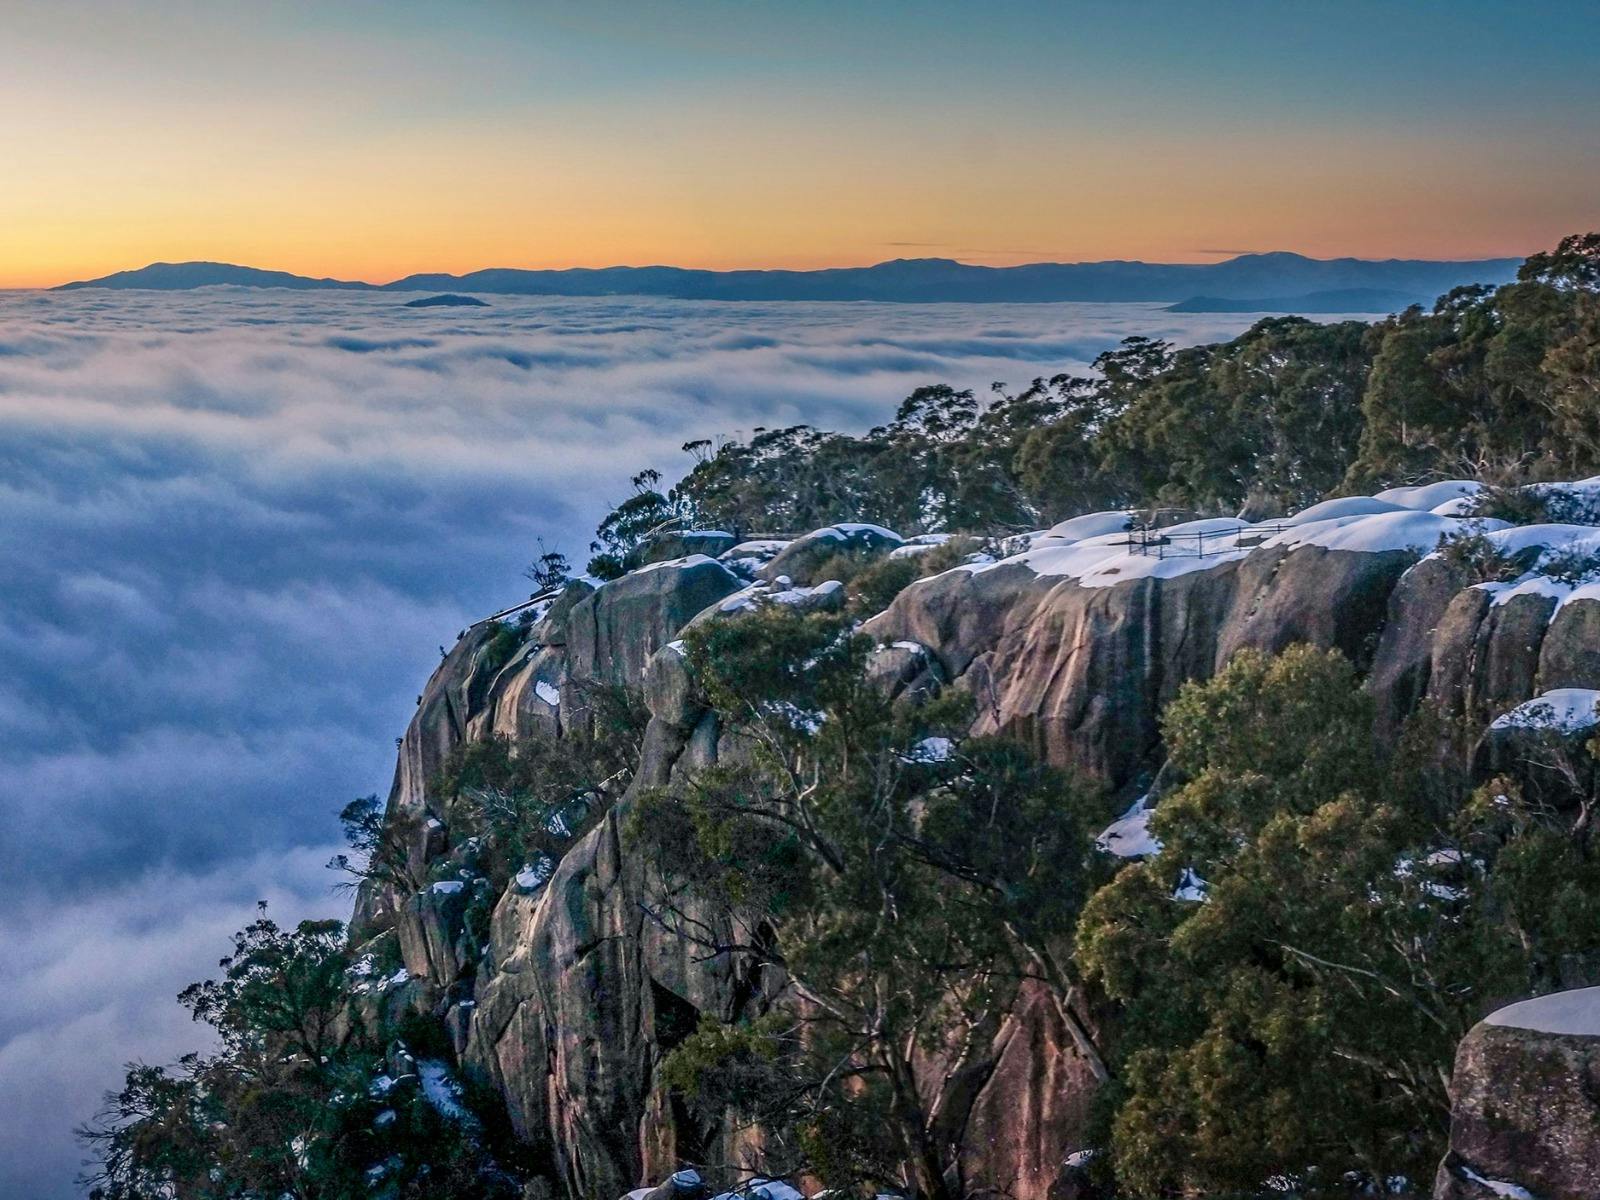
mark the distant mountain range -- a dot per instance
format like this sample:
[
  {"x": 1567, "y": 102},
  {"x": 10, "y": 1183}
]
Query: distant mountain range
[
  {"x": 1342, "y": 300},
  {"x": 1245, "y": 278}
]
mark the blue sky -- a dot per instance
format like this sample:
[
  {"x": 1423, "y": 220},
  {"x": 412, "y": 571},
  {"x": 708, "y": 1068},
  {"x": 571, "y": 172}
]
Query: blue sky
[{"x": 371, "y": 139}]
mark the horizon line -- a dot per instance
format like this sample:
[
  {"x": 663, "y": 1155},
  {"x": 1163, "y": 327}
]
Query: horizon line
[{"x": 1220, "y": 260}]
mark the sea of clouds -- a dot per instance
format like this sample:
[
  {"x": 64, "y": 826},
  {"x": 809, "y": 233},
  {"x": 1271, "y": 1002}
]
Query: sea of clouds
[{"x": 236, "y": 528}]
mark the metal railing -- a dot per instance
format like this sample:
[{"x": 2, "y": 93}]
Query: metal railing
[
  {"x": 1163, "y": 544},
  {"x": 541, "y": 597}
]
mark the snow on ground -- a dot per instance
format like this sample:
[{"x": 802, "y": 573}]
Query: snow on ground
[
  {"x": 1432, "y": 495},
  {"x": 1572, "y": 1012},
  {"x": 547, "y": 692},
  {"x": 1129, "y": 835},
  {"x": 678, "y": 564},
  {"x": 779, "y": 591},
  {"x": 851, "y": 529},
  {"x": 1108, "y": 559},
  {"x": 756, "y": 548},
  {"x": 1344, "y": 506},
  {"x": 1401, "y": 529},
  {"x": 534, "y": 876},
  {"x": 1562, "y": 710},
  {"x": 441, "y": 1089},
  {"x": 1094, "y": 524}
]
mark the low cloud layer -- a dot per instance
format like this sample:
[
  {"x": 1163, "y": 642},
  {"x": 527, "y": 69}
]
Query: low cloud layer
[{"x": 236, "y": 527}]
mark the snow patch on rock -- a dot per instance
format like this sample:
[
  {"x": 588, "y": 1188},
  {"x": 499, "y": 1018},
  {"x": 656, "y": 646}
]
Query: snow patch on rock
[{"x": 1561, "y": 710}]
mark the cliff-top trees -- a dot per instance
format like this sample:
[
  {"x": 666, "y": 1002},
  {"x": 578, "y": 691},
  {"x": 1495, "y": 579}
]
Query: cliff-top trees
[
  {"x": 896, "y": 888},
  {"x": 1497, "y": 382}
]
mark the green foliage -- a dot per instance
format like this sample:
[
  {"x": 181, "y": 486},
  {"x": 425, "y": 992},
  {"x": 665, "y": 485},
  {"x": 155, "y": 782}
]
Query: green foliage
[
  {"x": 528, "y": 800},
  {"x": 1490, "y": 377},
  {"x": 550, "y": 571},
  {"x": 287, "y": 1105},
  {"x": 383, "y": 843},
  {"x": 1358, "y": 918},
  {"x": 630, "y": 523},
  {"x": 873, "y": 589},
  {"x": 1511, "y": 501},
  {"x": 1489, "y": 380},
  {"x": 504, "y": 640},
  {"x": 902, "y": 889},
  {"x": 1274, "y": 412},
  {"x": 1479, "y": 558}
]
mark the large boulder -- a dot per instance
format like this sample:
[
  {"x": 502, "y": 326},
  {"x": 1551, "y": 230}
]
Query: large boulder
[
  {"x": 612, "y": 633},
  {"x": 1525, "y": 1115},
  {"x": 430, "y": 927},
  {"x": 526, "y": 698},
  {"x": 801, "y": 559},
  {"x": 588, "y": 993},
  {"x": 680, "y": 544}
]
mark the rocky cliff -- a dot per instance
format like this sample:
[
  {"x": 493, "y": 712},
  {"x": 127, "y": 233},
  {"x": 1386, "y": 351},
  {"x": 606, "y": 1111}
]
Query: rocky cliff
[{"x": 1074, "y": 642}]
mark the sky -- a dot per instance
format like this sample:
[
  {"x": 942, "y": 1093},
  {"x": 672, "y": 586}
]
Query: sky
[
  {"x": 372, "y": 138},
  {"x": 238, "y": 527}
]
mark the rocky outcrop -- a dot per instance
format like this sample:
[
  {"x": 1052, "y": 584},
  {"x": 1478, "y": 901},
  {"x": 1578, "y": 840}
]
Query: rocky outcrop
[
  {"x": 611, "y": 634},
  {"x": 801, "y": 559},
  {"x": 1525, "y": 1119},
  {"x": 1083, "y": 672},
  {"x": 680, "y": 544},
  {"x": 579, "y": 993},
  {"x": 430, "y": 928}
]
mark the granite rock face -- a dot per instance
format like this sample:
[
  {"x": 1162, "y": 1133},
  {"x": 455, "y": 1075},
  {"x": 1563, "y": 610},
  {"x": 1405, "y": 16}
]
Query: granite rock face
[
  {"x": 1082, "y": 673},
  {"x": 1525, "y": 1119},
  {"x": 571, "y": 1005},
  {"x": 612, "y": 633}
]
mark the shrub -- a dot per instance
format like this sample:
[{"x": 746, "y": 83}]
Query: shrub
[
  {"x": 1571, "y": 564},
  {"x": 1477, "y": 556},
  {"x": 1516, "y": 503},
  {"x": 874, "y": 588},
  {"x": 502, "y": 645}
]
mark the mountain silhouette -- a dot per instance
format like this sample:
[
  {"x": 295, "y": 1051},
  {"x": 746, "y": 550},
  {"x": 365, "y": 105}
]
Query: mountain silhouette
[{"x": 1244, "y": 278}]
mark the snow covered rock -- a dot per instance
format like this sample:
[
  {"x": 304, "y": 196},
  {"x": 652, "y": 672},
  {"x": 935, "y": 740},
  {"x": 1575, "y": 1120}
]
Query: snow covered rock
[
  {"x": 800, "y": 559},
  {"x": 680, "y": 544},
  {"x": 1479, "y": 648},
  {"x": 680, "y": 1185},
  {"x": 1077, "y": 646},
  {"x": 1563, "y": 711},
  {"x": 905, "y": 669},
  {"x": 1129, "y": 835},
  {"x": 1525, "y": 1119}
]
